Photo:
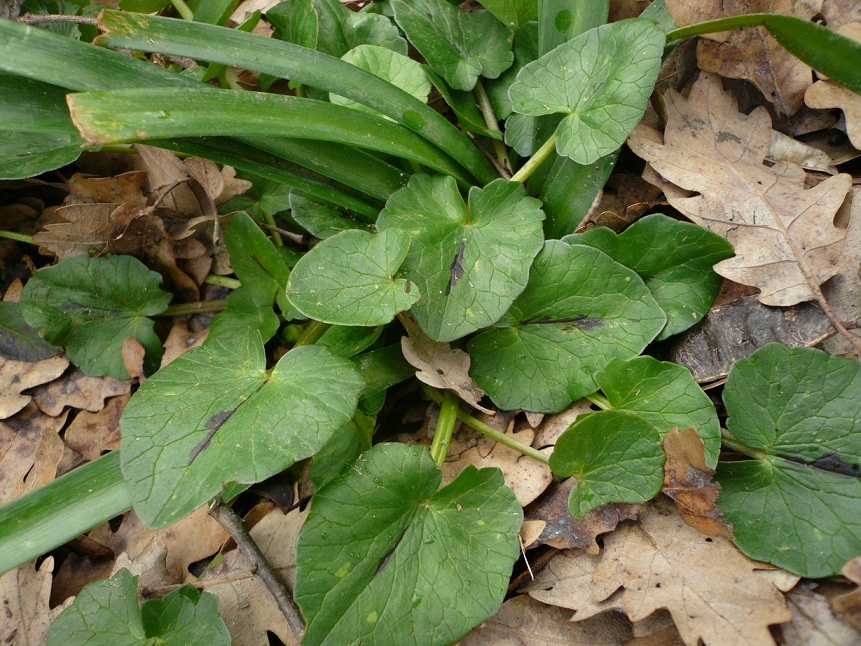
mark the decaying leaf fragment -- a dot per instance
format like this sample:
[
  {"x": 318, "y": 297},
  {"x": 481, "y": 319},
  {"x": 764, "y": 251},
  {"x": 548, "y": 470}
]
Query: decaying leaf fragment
[
  {"x": 784, "y": 236},
  {"x": 712, "y": 590}
]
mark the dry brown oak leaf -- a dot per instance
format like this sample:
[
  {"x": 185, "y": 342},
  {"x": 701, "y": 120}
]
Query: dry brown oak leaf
[
  {"x": 712, "y": 590},
  {"x": 784, "y": 236},
  {"x": 751, "y": 54}
]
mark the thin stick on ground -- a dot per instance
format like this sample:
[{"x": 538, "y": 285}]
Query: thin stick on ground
[{"x": 235, "y": 527}]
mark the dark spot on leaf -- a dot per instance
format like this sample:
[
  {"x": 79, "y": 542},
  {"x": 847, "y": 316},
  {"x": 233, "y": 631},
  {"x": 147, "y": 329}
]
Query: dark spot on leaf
[
  {"x": 829, "y": 462},
  {"x": 456, "y": 267},
  {"x": 723, "y": 136},
  {"x": 580, "y": 322},
  {"x": 214, "y": 423}
]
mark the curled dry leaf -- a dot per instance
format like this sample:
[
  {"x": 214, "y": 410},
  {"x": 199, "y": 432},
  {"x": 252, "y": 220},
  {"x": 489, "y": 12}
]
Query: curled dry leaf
[
  {"x": 18, "y": 376},
  {"x": 523, "y": 621},
  {"x": 91, "y": 434},
  {"x": 24, "y": 595},
  {"x": 550, "y": 521},
  {"x": 439, "y": 365},
  {"x": 712, "y": 590},
  {"x": 784, "y": 236},
  {"x": 751, "y": 54},
  {"x": 77, "y": 390},
  {"x": 30, "y": 452},
  {"x": 688, "y": 481},
  {"x": 826, "y": 94},
  {"x": 813, "y": 621}
]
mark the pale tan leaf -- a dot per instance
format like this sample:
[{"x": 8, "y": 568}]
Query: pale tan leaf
[
  {"x": 25, "y": 614},
  {"x": 30, "y": 452},
  {"x": 848, "y": 606},
  {"x": 276, "y": 535},
  {"x": 120, "y": 189},
  {"x": 133, "y": 358},
  {"x": 523, "y": 621},
  {"x": 77, "y": 390},
  {"x": 784, "y": 148},
  {"x": 688, "y": 481},
  {"x": 751, "y": 54},
  {"x": 18, "y": 376},
  {"x": 557, "y": 423},
  {"x": 180, "y": 340},
  {"x": 528, "y": 478},
  {"x": 784, "y": 236},
  {"x": 233, "y": 185},
  {"x": 813, "y": 623},
  {"x": 148, "y": 565},
  {"x": 439, "y": 365},
  {"x": 840, "y": 12},
  {"x": 83, "y": 229},
  {"x": 91, "y": 434},
  {"x": 713, "y": 592}
]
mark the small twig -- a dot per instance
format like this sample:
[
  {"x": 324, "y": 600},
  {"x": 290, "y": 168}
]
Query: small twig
[
  {"x": 38, "y": 19},
  {"x": 198, "y": 307},
  {"x": 235, "y": 527},
  {"x": 492, "y": 125}
]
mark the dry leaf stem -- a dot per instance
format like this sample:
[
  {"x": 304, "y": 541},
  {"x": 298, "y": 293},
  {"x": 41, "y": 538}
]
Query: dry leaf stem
[{"x": 235, "y": 526}]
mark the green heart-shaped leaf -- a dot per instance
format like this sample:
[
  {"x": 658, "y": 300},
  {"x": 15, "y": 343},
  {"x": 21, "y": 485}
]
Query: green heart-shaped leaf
[
  {"x": 216, "y": 415},
  {"x": 347, "y": 279},
  {"x": 460, "y": 46},
  {"x": 470, "y": 261},
  {"x": 601, "y": 80},
  {"x": 798, "y": 503},
  {"x": 615, "y": 456},
  {"x": 580, "y": 310},
  {"x": 674, "y": 258},
  {"x": 91, "y": 305},
  {"x": 386, "y": 558}
]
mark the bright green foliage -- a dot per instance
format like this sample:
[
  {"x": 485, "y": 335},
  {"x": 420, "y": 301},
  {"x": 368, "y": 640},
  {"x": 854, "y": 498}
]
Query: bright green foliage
[
  {"x": 295, "y": 21},
  {"x": 106, "y": 613},
  {"x": 602, "y": 80},
  {"x": 512, "y": 13},
  {"x": 347, "y": 279},
  {"x": 470, "y": 260},
  {"x": 91, "y": 305},
  {"x": 18, "y": 340},
  {"x": 45, "y": 151},
  {"x": 798, "y": 503},
  {"x": 320, "y": 220},
  {"x": 340, "y": 30},
  {"x": 395, "y": 68},
  {"x": 385, "y": 558},
  {"x": 463, "y": 105},
  {"x": 460, "y": 46},
  {"x": 674, "y": 258},
  {"x": 664, "y": 394},
  {"x": 615, "y": 456},
  {"x": 215, "y": 415},
  {"x": 580, "y": 310}
]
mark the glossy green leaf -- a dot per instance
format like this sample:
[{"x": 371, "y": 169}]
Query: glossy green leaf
[
  {"x": 615, "y": 456},
  {"x": 216, "y": 414},
  {"x": 464, "y": 106},
  {"x": 340, "y": 29},
  {"x": 565, "y": 208},
  {"x": 91, "y": 305},
  {"x": 107, "y": 612},
  {"x": 295, "y": 21},
  {"x": 385, "y": 558},
  {"x": 342, "y": 449},
  {"x": 348, "y": 341},
  {"x": 674, "y": 258},
  {"x": 664, "y": 394},
  {"x": 471, "y": 260},
  {"x": 320, "y": 220},
  {"x": 63, "y": 509},
  {"x": 245, "y": 309},
  {"x": 27, "y": 154},
  {"x": 525, "y": 51},
  {"x": 460, "y": 46},
  {"x": 286, "y": 60},
  {"x": 18, "y": 340},
  {"x": 580, "y": 310},
  {"x": 395, "y": 68},
  {"x": 512, "y": 13},
  {"x": 348, "y": 279},
  {"x": 797, "y": 504},
  {"x": 253, "y": 257},
  {"x": 165, "y": 113},
  {"x": 601, "y": 80},
  {"x": 383, "y": 368}
]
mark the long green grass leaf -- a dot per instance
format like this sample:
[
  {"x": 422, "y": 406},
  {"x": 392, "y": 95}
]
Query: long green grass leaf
[
  {"x": 141, "y": 114},
  {"x": 282, "y": 59},
  {"x": 59, "y": 511}
]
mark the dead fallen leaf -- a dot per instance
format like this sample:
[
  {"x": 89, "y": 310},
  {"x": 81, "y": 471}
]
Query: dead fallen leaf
[
  {"x": 688, "y": 481},
  {"x": 120, "y": 189},
  {"x": 148, "y": 565},
  {"x": 91, "y": 434},
  {"x": 26, "y": 613},
  {"x": 785, "y": 148},
  {"x": 751, "y": 54},
  {"x": 528, "y": 478},
  {"x": 712, "y": 590},
  {"x": 276, "y": 534},
  {"x": 133, "y": 358},
  {"x": 658, "y": 629},
  {"x": 523, "y": 621},
  {"x": 180, "y": 340},
  {"x": 439, "y": 365},
  {"x": 30, "y": 451},
  {"x": 624, "y": 199},
  {"x": 18, "y": 376},
  {"x": 840, "y": 12},
  {"x": 560, "y": 530},
  {"x": 77, "y": 390},
  {"x": 784, "y": 237},
  {"x": 554, "y": 425},
  {"x": 79, "y": 229},
  {"x": 848, "y": 606},
  {"x": 813, "y": 623},
  {"x": 233, "y": 185}
]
